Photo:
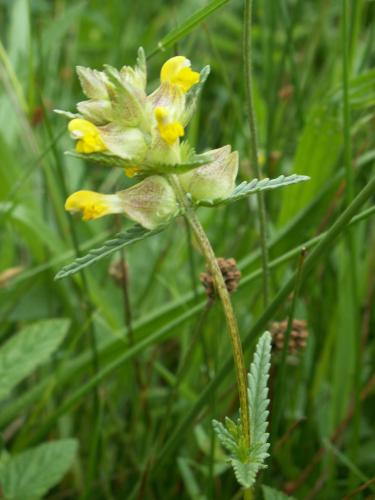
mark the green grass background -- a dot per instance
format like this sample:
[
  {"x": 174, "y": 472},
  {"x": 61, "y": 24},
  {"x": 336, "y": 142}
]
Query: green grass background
[{"x": 130, "y": 380}]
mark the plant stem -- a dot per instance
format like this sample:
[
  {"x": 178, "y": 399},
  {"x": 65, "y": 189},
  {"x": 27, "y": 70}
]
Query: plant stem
[
  {"x": 247, "y": 52},
  {"x": 223, "y": 294}
]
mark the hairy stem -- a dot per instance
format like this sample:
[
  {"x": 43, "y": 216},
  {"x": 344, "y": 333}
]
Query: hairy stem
[
  {"x": 247, "y": 52},
  {"x": 223, "y": 294}
]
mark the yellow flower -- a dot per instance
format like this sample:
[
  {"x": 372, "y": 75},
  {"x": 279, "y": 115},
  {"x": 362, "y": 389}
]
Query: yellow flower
[
  {"x": 169, "y": 131},
  {"x": 87, "y": 136},
  {"x": 177, "y": 71},
  {"x": 151, "y": 202},
  {"x": 92, "y": 205},
  {"x": 131, "y": 171}
]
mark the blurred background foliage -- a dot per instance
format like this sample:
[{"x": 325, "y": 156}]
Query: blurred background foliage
[{"x": 143, "y": 343}]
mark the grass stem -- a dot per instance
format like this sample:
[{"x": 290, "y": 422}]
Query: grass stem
[{"x": 247, "y": 55}]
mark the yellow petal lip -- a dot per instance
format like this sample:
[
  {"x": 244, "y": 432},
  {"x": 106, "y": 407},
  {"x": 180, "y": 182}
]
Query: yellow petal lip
[
  {"x": 92, "y": 205},
  {"x": 87, "y": 136},
  {"x": 131, "y": 171},
  {"x": 177, "y": 71},
  {"x": 169, "y": 131}
]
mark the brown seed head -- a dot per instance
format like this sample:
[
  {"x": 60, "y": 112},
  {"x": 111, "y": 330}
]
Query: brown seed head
[
  {"x": 297, "y": 339},
  {"x": 231, "y": 275}
]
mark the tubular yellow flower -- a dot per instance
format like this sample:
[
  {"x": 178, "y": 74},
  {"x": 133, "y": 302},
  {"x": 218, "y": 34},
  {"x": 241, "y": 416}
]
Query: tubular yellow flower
[
  {"x": 169, "y": 131},
  {"x": 177, "y": 71},
  {"x": 131, "y": 171},
  {"x": 92, "y": 205},
  {"x": 87, "y": 136}
]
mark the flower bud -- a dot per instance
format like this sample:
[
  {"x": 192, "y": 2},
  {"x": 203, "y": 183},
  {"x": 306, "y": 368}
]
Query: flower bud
[
  {"x": 97, "y": 111},
  {"x": 214, "y": 180},
  {"x": 93, "y": 82}
]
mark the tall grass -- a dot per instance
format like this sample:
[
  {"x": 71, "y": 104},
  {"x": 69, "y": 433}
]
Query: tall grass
[{"x": 145, "y": 364}]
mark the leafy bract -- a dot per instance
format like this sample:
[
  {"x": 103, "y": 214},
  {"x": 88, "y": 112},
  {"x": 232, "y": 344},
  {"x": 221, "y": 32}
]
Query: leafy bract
[{"x": 247, "y": 188}]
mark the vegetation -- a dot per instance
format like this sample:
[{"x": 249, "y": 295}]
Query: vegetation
[{"x": 115, "y": 377}]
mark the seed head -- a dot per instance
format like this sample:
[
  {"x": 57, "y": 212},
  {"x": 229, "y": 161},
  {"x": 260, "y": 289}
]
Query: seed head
[{"x": 231, "y": 275}]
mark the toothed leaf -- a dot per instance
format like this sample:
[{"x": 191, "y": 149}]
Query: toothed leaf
[
  {"x": 247, "y": 188},
  {"x": 224, "y": 436},
  {"x": 258, "y": 398},
  {"x": 121, "y": 240},
  {"x": 245, "y": 472}
]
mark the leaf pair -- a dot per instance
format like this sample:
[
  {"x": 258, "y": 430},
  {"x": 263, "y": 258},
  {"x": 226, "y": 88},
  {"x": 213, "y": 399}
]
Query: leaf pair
[{"x": 248, "y": 461}]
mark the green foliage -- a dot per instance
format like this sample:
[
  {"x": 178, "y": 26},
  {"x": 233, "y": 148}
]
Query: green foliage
[
  {"x": 191, "y": 160},
  {"x": 189, "y": 24},
  {"x": 30, "y": 474},
  {"x": 29, "y": 348},
  {"x": 255, "y": 186},
  {"x": 135, "y": 406},
  {"x": 258, "y": 398},
  {"x": 247, "y": 462},
  {"x": 121, "y": 240}
]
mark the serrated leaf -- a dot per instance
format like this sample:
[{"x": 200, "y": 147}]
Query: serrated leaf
[
  {"x": 121, "y": 240},
  {"x": 178, "y": 168},
  {"x": 247, "y": 462},
  {"x": 29, "y": 348},
  {"x": 224, "y": 436},
  {"x": 107, "y": 160},
  {"x": 30, "y": 474},
  {"x": 272, "y": 494},
  {"x": 247, "y": 188},
  {"x": 258, "y": 399},
  {"x": 245, "y": 472}
]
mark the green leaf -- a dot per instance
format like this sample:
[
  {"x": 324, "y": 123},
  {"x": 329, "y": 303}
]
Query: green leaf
[
  {"x": 187, "y": 26},
  {"x": 319, "y": 145},
  {"x": 225, "y": 437},
  {"x": 245, "y": 472},
  {"x": 258, "y": 399},
  {"x": 191, "y": 160},
  {"x": 30, "y": 474},
  {"x": 247, "y": 188},
  {"x": 246, "y": 462},
  {"x": 26, "y": 350},
  {"x": 272, "y": 494},
  {"x": 103, "y": 159},
  {"x": 121, "y": 240}
]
